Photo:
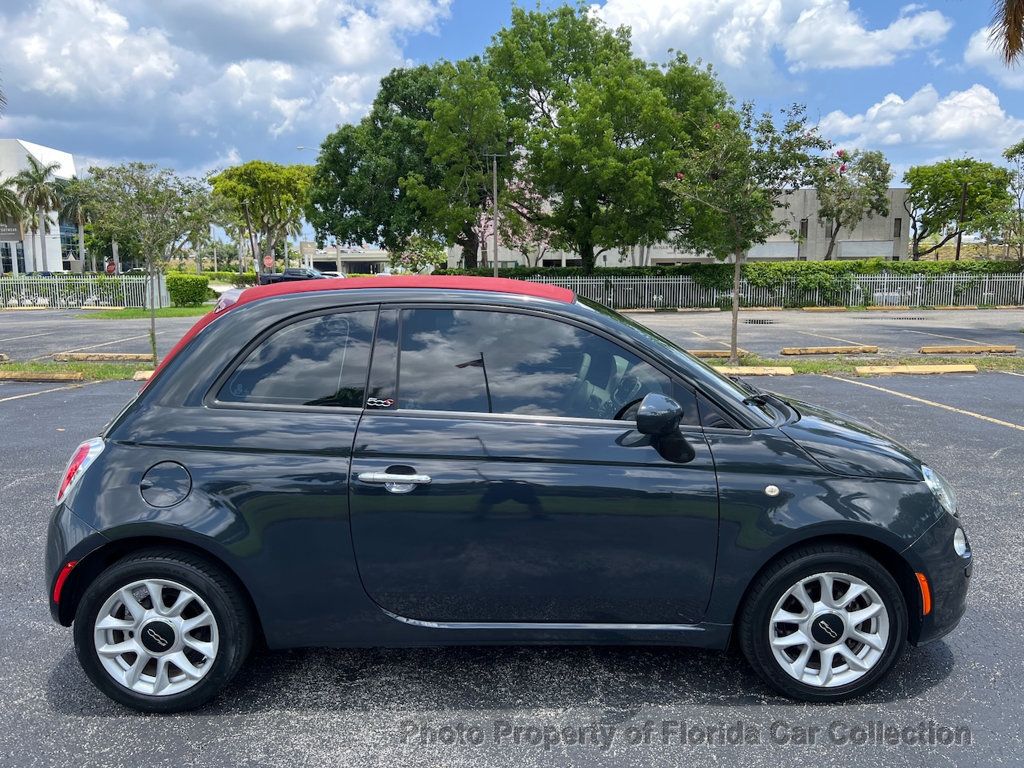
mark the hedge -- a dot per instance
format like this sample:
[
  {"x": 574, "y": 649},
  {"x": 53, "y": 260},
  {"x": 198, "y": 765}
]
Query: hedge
[
  {"x": 187, "y": 290},
  {"x": 809, "y": 274}
]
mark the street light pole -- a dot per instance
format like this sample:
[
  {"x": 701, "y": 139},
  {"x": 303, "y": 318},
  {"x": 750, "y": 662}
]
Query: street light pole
[{"x": 494, "y": 235}]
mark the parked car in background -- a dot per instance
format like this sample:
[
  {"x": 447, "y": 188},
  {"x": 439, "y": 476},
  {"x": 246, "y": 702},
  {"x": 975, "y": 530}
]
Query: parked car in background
[
  {"x": 333, "y": 274},
  {"x": 291, "y": 274},
  {"x": 411, "y": 461}
]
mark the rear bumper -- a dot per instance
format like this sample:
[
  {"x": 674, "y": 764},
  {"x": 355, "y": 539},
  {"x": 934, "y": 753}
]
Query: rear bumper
[
  {"x": 948, "y": 576},
  {"x": 68, "y": 539}
]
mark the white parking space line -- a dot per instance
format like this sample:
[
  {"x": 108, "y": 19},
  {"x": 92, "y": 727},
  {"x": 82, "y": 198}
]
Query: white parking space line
[
  {"x": 708, "y": 338},
  {"x": 833, "y": 338},
  {"x": 944, "y": 336},
  {"x": 102, "y": 344},
  {"x": 1011, "y": 373},
  {"x": 45, "y": 391},
  {"x": 932, "y": 403},
  {"x": 28, "y": 336}
]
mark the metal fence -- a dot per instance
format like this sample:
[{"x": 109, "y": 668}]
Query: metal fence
[
  {"x": 955, "y": 290},
  {"x": 78, "y": 291}
]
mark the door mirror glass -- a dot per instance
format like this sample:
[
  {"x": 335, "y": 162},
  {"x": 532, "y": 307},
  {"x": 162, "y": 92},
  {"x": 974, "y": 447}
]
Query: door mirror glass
[{"x": 658, "y": 414}]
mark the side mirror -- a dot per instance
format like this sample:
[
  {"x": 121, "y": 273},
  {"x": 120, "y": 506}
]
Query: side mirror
[{"x": 658, "y": 415}]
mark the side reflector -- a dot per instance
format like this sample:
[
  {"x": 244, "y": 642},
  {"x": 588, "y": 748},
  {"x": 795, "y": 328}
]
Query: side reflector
[
  {"x": 926, "y": 594},
  {"x": 61, "y": 578}
]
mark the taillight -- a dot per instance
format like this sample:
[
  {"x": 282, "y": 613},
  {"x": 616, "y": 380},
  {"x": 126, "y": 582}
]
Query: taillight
[{"x": 83, "y": 456}]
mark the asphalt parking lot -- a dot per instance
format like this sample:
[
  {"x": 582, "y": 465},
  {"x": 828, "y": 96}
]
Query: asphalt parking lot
[
  {"x": 896, "y": 334},
  {"x": 391, "y": 707}
]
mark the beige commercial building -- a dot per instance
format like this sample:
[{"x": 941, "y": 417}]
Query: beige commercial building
[{"x": 884, "y": 237}]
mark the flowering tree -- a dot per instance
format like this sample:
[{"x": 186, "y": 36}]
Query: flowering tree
[
  {"x": 421, "y": 254},
  {"x": 850, "y": 186}
]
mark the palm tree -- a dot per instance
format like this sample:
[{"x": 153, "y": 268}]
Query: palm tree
[
  {"x": 10, "y": 203},
  {"x": 38, "y": 191},
  {"x": 1008, "y": 29},
  {"x": 72, "y": 194}
]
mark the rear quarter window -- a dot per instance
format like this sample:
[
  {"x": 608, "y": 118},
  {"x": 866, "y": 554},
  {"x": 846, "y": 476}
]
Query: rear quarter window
[{"x": 318, "y": 361}]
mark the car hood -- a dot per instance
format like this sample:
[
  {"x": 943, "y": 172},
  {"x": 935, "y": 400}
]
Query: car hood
[{"x": 845, "y": 447}]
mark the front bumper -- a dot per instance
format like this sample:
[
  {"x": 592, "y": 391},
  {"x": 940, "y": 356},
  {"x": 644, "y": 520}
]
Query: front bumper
[
  {"x": 69, "y": 538},
  {"x": 948, "y": 576}
]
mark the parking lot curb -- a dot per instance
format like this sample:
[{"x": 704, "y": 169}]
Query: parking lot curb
[
  {"x": 755, "y": 370},
  {"x": 875, "y": 370},
  {"x": 714, "y": 353},
  {"x": 41, "y": 376},
  {"x": 760, "y": 309},
  {"x": 887, "y": 308},
  {"x": 142, "y": 375},
  {"x": 103, "y": 357},
  {"x": 969, "y": 349},
  {"x": 823, "y": 309},
  {"x": 859, "y": 349},
  {"x": 22, "y": 309},
  {"x": 950, "y": 307}
]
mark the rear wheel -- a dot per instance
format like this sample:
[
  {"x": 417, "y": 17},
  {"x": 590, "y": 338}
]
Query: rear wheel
[
  {"x": 824, "y": 623},
  {"x": 162, "y": 631}
]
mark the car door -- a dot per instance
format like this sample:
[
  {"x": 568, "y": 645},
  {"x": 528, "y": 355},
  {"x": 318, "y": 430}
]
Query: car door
[{"x": 496, "y": 476}]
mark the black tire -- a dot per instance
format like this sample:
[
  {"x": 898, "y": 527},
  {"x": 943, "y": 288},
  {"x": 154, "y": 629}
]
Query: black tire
[
  {"x": 755, "y": 617},
  {"x": 230, "y": 610}
]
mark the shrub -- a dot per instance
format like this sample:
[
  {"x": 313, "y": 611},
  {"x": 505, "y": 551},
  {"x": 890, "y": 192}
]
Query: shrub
[{"x": 187, "y": 290}]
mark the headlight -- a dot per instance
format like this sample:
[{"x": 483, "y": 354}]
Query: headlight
[{"x": 943, "y": 491}]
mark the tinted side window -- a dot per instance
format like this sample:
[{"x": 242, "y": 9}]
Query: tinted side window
[
  {"x": 317, "y": 361},
  {"x": 501, "y": 362}
]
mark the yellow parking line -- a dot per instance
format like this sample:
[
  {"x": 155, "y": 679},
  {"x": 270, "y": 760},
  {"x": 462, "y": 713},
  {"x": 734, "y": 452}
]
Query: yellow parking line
[{"x": 932, "y": 403}]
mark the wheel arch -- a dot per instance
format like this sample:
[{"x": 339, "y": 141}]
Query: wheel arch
[{"x": 98, "y": 560}]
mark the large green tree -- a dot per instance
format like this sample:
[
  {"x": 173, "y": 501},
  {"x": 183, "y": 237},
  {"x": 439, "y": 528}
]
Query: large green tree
[
  {"x": 600, "y": 128},
  {"x": 850, "y": 186},
  {"x": 734, "y": 180},
  {"x": 268, "y": 197},
  {"x": 151, "y": 206},
  {"x": 1012, "y": 230},
  {"x": 953, "y": 197},
  {"x": 358, "y": 191},
  {"x": 37, "y": 187}
]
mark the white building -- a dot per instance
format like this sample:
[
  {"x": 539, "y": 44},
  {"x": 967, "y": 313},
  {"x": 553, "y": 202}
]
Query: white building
[
  {"x": 20, "y": 250},
  {"x": 884, "y": 237},
  {"x": 332, "y": 258}
]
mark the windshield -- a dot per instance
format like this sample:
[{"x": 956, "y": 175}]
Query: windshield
[{"x": 738, "y": 392}]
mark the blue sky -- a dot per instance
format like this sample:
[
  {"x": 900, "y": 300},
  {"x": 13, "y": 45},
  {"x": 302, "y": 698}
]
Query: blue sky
[{"x": 198, "y": 85}]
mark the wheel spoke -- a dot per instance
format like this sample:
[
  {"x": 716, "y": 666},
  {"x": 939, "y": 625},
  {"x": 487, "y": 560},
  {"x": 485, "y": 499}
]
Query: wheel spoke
[
  {"x": 183, "y": 599},
  {"x": 112, "y": 622},
  {"x": 788, "y": 641},
  {"x": 131, "y": 677},
  {"x": 202, "y": 646},
  {"x": 857, "y": 618},
  {"x": 117, "y": 649},
  {"x": 788, "y": 617},
  {"x": 826, "y": 582},
  {"x": 800, "y": 593},
  {"x": 133, "y": 606},
  {"x": 162, "y": 678},
  {"x": 855, "y": 591},
  {"x": 825, "y": 673},
  {"x": 204, "y": 619},
  {"x": 852, "y": 659},
  {"x": 180, "y": 660},
  {"x": 156, "y": 596},
  {"x": 800, "y": 665},
  {"x": 868, "y": 638}
]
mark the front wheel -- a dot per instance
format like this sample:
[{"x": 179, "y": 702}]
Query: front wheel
[
  {"x": 824, "y": 623},
  {"x": 162, "y": 631}
]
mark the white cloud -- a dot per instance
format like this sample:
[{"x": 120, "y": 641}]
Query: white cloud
[
  {"x": 746, "y": 34},
  {"x": 987, "y": 58},
  {"x": 971, "y": 122},
  {"x": 191, "y": 80}
]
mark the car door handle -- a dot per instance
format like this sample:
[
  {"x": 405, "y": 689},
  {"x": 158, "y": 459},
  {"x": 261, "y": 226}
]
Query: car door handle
[
  {"x": 394, "y": 482},
  {"x": 391, "y": 477}
]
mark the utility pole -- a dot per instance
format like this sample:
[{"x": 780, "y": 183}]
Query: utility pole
[{"x": 960, "y": 221}]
